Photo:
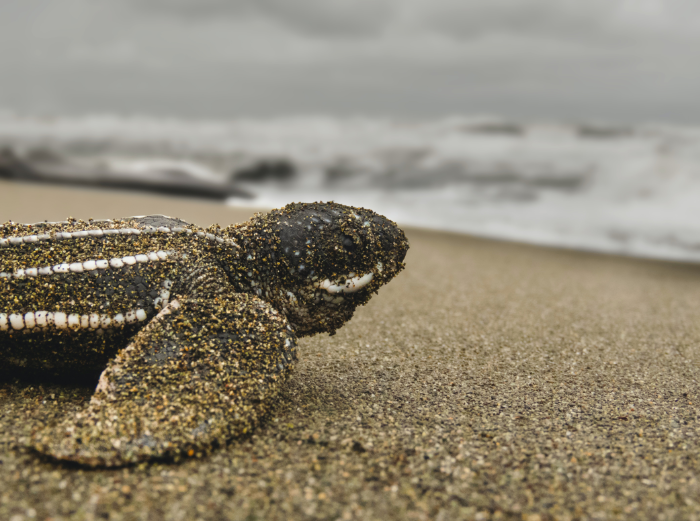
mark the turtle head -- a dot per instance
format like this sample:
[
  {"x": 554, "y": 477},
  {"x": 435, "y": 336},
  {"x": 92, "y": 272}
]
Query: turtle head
[{"x": 333, "y": 258}]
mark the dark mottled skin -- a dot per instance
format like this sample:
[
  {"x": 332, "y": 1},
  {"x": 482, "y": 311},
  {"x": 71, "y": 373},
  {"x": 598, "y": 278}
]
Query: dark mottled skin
[{"x": 206, "y": 366}]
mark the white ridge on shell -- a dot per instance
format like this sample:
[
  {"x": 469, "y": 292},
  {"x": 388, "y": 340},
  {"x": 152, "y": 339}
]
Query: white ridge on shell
[
  {"x": 17, "y": 321},
  {"x": 29, "y": 320},
  {"x": 40, "y": 318},
  {"x": 90, "y": 265},
  {"x": 60, "y": 320},
  {"x": 100, "y": 232},
  {"x": 74, "y": 321}
]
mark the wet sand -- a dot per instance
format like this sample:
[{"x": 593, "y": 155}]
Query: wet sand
[{"x": 490, "y": 380}]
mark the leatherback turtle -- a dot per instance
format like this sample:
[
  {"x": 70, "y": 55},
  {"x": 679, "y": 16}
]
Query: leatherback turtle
[{"x": 190, "y": 330}]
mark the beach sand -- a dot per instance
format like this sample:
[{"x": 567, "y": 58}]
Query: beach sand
[{"x": 490, "y": 380}]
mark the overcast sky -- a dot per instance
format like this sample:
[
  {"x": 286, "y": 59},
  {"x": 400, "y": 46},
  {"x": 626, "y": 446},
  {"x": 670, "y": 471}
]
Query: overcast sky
[{"x": 614, "y": 60}]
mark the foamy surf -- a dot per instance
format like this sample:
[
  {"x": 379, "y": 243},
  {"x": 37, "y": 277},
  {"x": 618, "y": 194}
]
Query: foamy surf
[{"x": 626, "y": 190}]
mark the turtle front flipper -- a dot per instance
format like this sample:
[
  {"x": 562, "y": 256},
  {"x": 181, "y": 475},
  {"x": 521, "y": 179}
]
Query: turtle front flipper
[{"x": 203, "y": 371}]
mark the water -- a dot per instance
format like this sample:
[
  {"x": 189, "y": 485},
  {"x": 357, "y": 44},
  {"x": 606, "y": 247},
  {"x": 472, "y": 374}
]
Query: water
[{"x": 629, "y": 190}]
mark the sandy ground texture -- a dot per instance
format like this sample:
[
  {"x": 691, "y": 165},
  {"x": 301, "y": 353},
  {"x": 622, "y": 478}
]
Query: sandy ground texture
[{"x": 488, "y": 381}]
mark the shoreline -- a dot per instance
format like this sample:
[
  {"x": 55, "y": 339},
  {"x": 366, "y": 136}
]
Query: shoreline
[{"x": 60, "y": 202}]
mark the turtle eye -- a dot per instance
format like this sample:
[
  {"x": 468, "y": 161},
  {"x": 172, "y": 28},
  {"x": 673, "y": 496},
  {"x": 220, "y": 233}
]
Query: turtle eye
[{"x": 347, "y": 242}]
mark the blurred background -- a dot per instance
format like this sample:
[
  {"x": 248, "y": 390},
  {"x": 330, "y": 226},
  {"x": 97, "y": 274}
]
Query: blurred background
[{"x": 557, "y": 122}]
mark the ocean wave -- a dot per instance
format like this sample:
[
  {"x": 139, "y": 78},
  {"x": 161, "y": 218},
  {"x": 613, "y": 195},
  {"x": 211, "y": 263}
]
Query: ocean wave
[{"x": 620, "y": 189}]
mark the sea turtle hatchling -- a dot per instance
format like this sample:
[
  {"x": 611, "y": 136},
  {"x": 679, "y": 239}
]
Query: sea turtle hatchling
[{"x": 190, "y": 330}]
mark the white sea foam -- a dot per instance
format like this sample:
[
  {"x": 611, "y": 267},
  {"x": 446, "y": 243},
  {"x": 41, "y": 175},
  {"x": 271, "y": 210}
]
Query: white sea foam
[{"x": 633, "y": 190}]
